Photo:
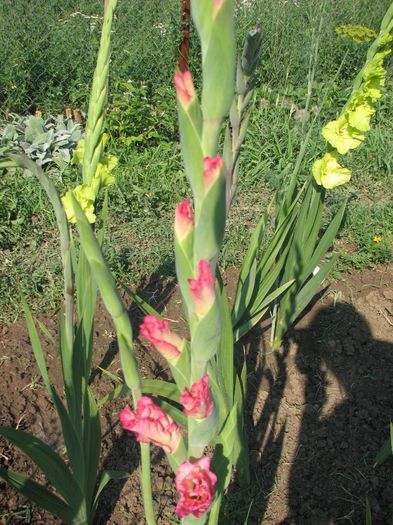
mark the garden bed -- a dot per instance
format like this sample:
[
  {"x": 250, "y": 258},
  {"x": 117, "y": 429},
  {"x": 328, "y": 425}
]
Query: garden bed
[{"x": 317, "y": 414}]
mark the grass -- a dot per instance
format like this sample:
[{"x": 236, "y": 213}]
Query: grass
[{"x": 142, "y": 128}]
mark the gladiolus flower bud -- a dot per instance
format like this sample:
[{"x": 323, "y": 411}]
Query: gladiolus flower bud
[
  {"x": 202, "y": 289},
  {"x": 197, "y": 401},
  {"x": 159, "y": 333},
  {"x": 195, "y": 484},
  {"x": 211, "y": 170},
  {"x": 151, "y": 424},
  {"x": 184, "y": 87},
  {"x": 216, "y": 6},
  {"x": 184, "y": 220}
]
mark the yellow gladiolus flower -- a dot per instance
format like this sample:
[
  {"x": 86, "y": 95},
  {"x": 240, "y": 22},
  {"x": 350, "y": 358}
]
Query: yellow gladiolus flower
[
  {"x": 341, "y": 135},
  {"x": 375, "y": 67},
  {"x": 329, "y": 173},
  {"x": 102, "y": 176},
  {"x": 359, "y": 117},
  {"x": 371, "y": 90},
  {"x": 79, "y": 152},
  {"x": 85, "y": 195}
]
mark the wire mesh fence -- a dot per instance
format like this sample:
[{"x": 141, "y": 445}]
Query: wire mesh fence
[{"x": 48, "y": 49}]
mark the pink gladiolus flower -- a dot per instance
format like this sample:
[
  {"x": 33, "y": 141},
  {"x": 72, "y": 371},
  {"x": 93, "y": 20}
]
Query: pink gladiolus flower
[
  {"x": 202, "y": 289},
  {"x": 151, "y": 425},
  {"x": 197, "y": 401},
  {"x": 195, "y": 485},
  {"x": 159, "y": 333},
  {"x": 211, "y": 170},
  {"x": 184, "y": 87},
  {"x": 184, "y": 219}
]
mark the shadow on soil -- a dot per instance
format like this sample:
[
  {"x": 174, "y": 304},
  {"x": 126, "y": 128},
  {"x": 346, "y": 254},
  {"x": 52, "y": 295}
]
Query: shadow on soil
[{"x": 317, "y": 414}]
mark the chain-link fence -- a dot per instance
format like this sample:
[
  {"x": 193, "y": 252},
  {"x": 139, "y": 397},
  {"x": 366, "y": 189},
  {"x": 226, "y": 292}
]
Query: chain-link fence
[{"x": 48, "y": 47}]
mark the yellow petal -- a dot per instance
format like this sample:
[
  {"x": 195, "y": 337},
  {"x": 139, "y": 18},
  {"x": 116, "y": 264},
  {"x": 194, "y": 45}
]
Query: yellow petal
[
  {"x": 329, "y": 173},
  {"x": 360, "y": 116},
  {"x": 79, "y": 152},
  {"x": 85, "y": 195},
  {"x": 341, "y": 135}
]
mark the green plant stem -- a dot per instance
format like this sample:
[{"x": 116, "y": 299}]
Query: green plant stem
[
  {"x": 146, "y": 484},
  {"x": 97, "y": 102}
]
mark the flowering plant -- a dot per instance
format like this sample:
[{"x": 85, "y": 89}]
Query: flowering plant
[{"x": 200, "y": 422}]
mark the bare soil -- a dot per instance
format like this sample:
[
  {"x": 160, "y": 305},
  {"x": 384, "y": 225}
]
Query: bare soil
[{"x": 317, "y": 413}]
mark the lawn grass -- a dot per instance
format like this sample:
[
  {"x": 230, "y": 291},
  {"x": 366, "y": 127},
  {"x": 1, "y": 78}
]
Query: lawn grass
[{"x": 150, "y": 179}]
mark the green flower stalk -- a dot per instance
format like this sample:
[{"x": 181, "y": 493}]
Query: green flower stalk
[
  {"x": 214, "y": 21},
  {"x": 95, "y": 116}
]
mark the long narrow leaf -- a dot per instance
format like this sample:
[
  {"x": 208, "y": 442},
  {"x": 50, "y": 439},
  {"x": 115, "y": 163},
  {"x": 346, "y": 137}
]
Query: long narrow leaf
[
  {"x": 71, "y": 441},
  {"x": 156, "y": 387},
  {"x": 38, "y": 494},
  {"x": 111, "y": 298},
  {"x": 107, "y": 475},
  {"x": 143, "y": 305},
  {"x": 369, "y": 516},
  {"x": 386, "y": 451},
  {"x": 91, "y": 442},
  {"x": 48, "y": 461},
  {"x": 70, "y": 438},
  {"x": 225, "y": 357},
  {"x": 256, "y": 317},
  {"x": 244, "y": 284},
  {"x": 37, "y": 348},
  {"x": 173, "y": 412}
]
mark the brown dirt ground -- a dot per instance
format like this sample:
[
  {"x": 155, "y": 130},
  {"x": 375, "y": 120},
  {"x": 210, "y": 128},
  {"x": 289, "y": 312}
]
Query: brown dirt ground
[{"x": 317, "y": 413}]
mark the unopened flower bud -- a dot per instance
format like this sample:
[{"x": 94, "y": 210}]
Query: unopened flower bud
[
  {"x": 184, "y": 220},
  {"x": 202, "y": 289},
  {"x": 184, "y": 87},
  {"x": 211, "y": 171}
]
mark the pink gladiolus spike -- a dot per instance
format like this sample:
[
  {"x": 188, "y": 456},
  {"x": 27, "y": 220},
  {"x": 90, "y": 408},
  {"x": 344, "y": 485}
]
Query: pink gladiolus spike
[
  {"x": 195, "y": 484},
  {"x": 184, "y": 87},
  {"x": 202, "y": 289},
  {"x": 197, "y": 401},
  {"x": 184, "y": 219},
  {"x": 211, "y": 170},
  {"x": 151, "y": 425},
  {"x": 159, "y": 333}
]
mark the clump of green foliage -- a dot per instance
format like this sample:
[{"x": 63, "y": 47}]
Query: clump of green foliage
[{"x": 44, "y": 141}]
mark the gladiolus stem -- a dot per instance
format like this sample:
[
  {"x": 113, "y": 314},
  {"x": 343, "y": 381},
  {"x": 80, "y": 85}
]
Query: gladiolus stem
[
  {"x": 146, "y": 484},
  {"x": 211, "y": 130}
]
